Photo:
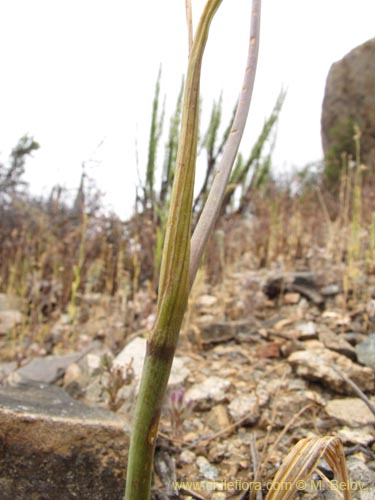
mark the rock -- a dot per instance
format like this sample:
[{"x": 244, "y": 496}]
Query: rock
[
  {"x": 245, "y": 406},
  {"x": 310, "y": 294},
  {"x": 7, "y": 369},
  {"x": 336, "y": 342},
  {"x": 354, "y": 338},
  {"x": 207, "y": 470},
  {"x": 306, "y": 330},
  {"x": 179, "y": 372},
  {"x": 10, "y": 302},
  {"x": 204, "y": 320},
  {"x": 363, "y": 436},
  {"x": 331, "y": 290},
  {"x": 73, "y": 381},
  {"x": 314, "y": 396},
  {"x": 8, "y": 320},
  {"x": 204, "y": 395},
  {"x": 339, "y": 319},
  {"x": 218, "y": 451},
  {"x": 218, "y": 418},
  {"x": 359, "y": 473},
  {"x": 303, "y": 283},
  {"x": 47, "y": 369},
  {"x": 316, "y": 364},
  {"x": 305, "y": 278},
  {"x": 269, "y": 350},
  {"x": 204, "y": 302},
  {"x": 57, "y": 447},
  {"x": 370, "y": 310},
  {"x": 288, "y": 405},
  {"x": 350, "y": 98},
  {"x": 187, "y": 457},
  {"x": 92, "y": 363},
  {"x": 350, "y": 411},
  {"x": 365, "y": 493},
  {"x": 219, "y": 495},
  {"x": 82, "y": 380},
  {"x": 165, "y": 468},
  {"x": 291, "y": 346},
  {"x": 366, "y": 351},
  {"x": 223, "y": 331},
  {"x": 291, "y": 298},
  {"x": 281, "y": 325},
  {"x": 235, "y": 309},
  {"x": 134, "y": 353}
]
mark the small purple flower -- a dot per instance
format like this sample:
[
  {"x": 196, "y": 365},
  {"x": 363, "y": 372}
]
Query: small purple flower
[{"x": 178, "y": 409}]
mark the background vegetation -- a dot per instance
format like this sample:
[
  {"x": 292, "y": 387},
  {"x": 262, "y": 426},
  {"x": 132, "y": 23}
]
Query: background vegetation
[{"x": 57, "y": 249}]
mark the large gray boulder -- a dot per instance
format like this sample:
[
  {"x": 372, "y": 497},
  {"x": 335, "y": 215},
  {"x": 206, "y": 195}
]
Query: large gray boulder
[
  {"x": 53, "y": 447},
  {"x": 350, "y": 99}
]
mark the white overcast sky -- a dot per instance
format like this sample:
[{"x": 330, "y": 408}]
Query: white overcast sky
[{"x": 77, "y": 74}]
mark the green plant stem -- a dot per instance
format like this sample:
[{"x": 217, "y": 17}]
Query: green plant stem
[{"x": 174, "y": 282}]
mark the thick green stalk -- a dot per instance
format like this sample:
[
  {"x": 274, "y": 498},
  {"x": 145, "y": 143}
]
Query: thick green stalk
[{"x": 174, "y": 282}]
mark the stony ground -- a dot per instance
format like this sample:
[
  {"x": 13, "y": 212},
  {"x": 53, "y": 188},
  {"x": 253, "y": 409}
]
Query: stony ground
[{"x": 265, "y": 358}]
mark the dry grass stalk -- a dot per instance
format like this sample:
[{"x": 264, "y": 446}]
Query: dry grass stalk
[
  {"x": 189, "y": 22},
  {"x": 303, "y": 460}
]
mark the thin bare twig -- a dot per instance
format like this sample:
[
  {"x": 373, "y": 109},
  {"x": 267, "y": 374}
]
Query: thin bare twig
[
  {"x": 193, "y": 444},
  {"x": 356, "y": 389},
  {"x": 288, "y": 426},
  {"x": 255, "y": 459},
  {"x": 189, "y": 22},
  {"x": 215, "y": 198},
  {"x": 281, "y": 435}
]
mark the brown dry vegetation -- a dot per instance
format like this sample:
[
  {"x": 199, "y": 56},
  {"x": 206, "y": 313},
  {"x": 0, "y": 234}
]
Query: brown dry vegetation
[
  {"x": 82, "y": 276},
  {"x": 55, "y": 255}
]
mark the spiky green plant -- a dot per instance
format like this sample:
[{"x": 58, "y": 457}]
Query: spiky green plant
[
  {"x": 171, "y": 151},
  {"x": 11, "y": 176},
  {"x": 248, "y": 175},
  {"x": 341, "y": 138},
  {"x": 167, "y": 182},
  {"x": 77, "y": 269},
  {"x": 155, "y": 134},
  {"x": 354, "y": 243},
  {"x": 253, "y": 173},
  {"x": 180, "y": 259},
  {"x": 213, "y": 145}
]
